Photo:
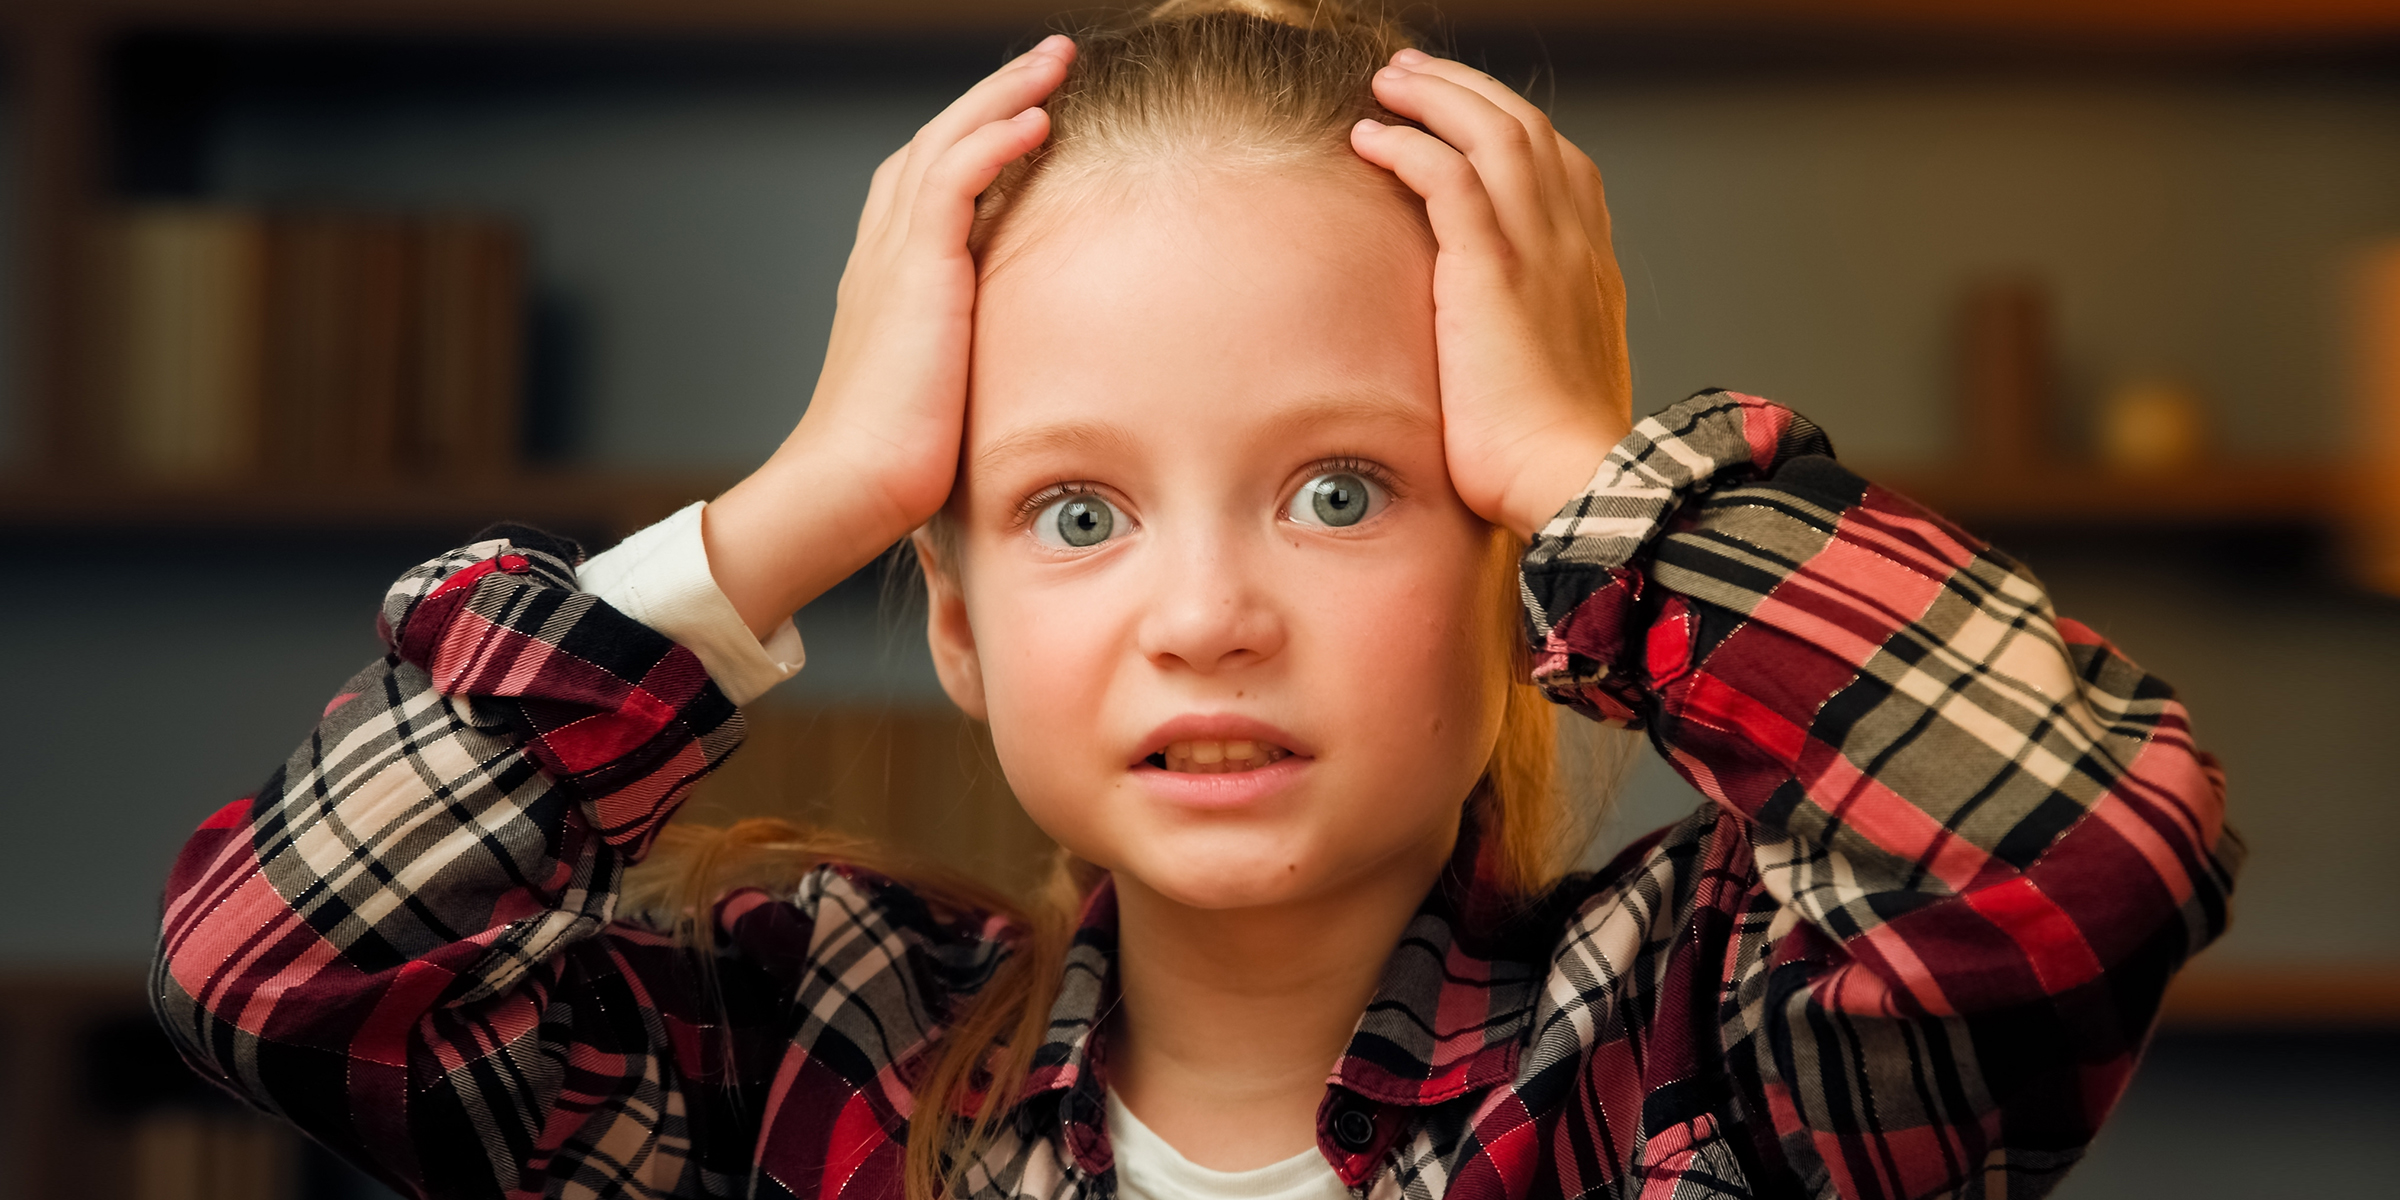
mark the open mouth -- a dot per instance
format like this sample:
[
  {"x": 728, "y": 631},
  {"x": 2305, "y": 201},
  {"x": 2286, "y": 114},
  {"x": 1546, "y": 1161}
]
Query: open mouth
[{"x": 1227, "y": 757}]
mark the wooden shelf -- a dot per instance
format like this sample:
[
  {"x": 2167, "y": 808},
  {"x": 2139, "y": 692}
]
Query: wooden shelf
[
  {"x": 2212, "y": 996},
  {"x": 2242, "y": 493},
  {"x": 572, "y": 502}
]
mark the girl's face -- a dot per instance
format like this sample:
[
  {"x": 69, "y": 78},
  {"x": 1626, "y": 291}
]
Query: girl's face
[{"x": 1235, "y": 634}]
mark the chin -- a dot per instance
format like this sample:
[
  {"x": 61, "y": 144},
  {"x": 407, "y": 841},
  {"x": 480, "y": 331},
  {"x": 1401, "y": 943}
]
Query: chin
[
  {"x": 1224, "y": 891},
  {"x": 1251, "y": 869}
]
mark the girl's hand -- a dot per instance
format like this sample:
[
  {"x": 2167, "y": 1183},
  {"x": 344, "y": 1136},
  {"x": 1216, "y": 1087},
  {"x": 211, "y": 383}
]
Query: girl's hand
[
  {"x": 875, "y": 454},
  {"x": 1529, "y": 308}
]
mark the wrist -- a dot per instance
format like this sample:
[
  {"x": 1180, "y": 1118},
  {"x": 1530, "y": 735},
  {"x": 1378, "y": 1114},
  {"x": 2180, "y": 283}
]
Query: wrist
[
  {"x": 1547, "y": 483},
  {"x": 791, "y": 530}
]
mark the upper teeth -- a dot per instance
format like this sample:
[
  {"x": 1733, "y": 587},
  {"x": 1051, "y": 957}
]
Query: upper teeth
[{"x": 1218, "y": 757}]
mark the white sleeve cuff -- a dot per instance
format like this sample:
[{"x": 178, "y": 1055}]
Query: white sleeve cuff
[{"x": 660, "y": 577}]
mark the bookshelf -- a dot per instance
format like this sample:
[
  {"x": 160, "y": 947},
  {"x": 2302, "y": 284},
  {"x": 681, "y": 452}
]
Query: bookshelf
[
  {"x": 58, "y": 70},
  {"x": 59, "y": 56}
]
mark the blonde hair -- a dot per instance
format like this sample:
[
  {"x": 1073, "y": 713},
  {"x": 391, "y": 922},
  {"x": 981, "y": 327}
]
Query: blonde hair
[
  {"x": 1227, "y": 85},
  {"x": 1232, "y": 84}
]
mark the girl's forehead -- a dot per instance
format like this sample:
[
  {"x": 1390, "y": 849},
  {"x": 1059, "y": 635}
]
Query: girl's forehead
[
  {"x": 1258, "y": 434},
  {"x": 1231, "y": 301}
]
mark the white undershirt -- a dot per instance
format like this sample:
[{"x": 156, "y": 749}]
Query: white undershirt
[{"x": 1150, "y": 1169}]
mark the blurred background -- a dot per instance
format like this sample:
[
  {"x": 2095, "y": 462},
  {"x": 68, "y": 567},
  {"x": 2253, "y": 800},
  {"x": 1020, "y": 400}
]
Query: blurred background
[{"x": 299, "y": 294}]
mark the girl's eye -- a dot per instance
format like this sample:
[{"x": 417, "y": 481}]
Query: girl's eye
[
  {"x": 1336, "y": 499},
  {"x": 1076, "y": 521}
]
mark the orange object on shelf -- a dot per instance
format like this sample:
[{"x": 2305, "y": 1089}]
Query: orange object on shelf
[
  {"x": 2153, "y": 427},
  {"x": 2374, "y": 519}
]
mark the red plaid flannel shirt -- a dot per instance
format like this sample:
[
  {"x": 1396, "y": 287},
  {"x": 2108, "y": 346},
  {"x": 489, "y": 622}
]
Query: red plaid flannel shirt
[{"x": 1954, "y": 848}]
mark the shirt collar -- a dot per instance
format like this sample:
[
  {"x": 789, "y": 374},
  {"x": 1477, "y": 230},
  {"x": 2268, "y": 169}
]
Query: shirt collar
[
  {"x": 1065, "y": 1066},
  {"x": 1448, "y": 1019}
]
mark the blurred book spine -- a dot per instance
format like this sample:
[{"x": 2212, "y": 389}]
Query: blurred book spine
[
  {"x": 469, "y": 345},
  {"x": 248, "y": 347},
  {"x": 2006, "y": 377},
  {"x": 336, "y": 330},
  {"x": 184, "y": 294}
]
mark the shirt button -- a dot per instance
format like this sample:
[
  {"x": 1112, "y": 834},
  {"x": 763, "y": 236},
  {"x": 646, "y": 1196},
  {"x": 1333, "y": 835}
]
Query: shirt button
[{"x": 1353, "y": 1129}]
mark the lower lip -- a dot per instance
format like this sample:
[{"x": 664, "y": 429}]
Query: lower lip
[{"x": 1221, "y": 793}]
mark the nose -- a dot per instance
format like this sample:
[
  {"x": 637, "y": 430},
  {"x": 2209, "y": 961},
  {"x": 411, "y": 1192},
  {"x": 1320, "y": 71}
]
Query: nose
[{"x": 1209, "y": 610}]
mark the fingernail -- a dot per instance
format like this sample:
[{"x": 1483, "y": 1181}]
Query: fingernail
[
  {"x": 1368, "y": 123},
  {"x": 1392, "y": 73},
  {"x": 1411, "y": 57},
  {"x": 1029, "y": 115}
]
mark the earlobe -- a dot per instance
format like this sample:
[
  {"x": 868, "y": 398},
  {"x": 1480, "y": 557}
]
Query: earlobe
[{"x": 948, "y": 633}]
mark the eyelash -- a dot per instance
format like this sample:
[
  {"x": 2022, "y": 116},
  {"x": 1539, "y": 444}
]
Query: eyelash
[
  {"x": 1032, "y": 506},
  {"x": 1375, "y": 474}
]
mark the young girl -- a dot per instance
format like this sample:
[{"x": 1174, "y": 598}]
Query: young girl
[{"x": 1260, "y": 411}]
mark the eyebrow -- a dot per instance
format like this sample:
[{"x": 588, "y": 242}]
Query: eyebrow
[
  {"x": 1352, "y": 408},
  {"x": 1098, "y": 438},
  {"x": 1105, "y": 439}
]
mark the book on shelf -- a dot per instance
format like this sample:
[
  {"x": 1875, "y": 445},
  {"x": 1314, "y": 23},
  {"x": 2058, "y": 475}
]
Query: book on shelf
[
  {"x": 469, "y": 285},
  {"x": 336, "y": 324},
  {"x": 244, "y": 346},
  {"x": 183, "y": 297}
]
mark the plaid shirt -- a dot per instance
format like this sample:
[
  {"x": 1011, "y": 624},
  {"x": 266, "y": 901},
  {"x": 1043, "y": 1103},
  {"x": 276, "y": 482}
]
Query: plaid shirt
[{"x": 1954, "y": 849}]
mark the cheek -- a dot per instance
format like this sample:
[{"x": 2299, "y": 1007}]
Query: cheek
[
  {"x": 1048, "y": 657},
  {"x": 1420, "y": 659}
]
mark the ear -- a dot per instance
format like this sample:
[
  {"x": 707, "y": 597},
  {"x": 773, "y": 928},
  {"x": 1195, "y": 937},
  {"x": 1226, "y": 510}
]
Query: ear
[{"x": 947, "y": 631}]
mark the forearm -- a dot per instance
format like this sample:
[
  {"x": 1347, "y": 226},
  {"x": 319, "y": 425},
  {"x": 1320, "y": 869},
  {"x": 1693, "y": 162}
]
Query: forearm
[
  {"x": 1891, "y": 704},
  {"x": 1958, "y": 838},
  {"x": 456, "y": 822},
  {"x": 798, "y": 525}
]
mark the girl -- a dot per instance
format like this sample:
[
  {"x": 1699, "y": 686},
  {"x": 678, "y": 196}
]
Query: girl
[{"x": 1260, "y": 410}]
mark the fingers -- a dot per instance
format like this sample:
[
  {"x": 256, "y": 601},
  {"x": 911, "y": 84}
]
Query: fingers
[
  {"x": 1456, "y": 201},
  {"x": 1539, "y": 186},
  {"x": 1025, "y": 81},
  {"x": 1500, "y": 95},
  {"x": 1018, "y": 84},
  {"x": 1499, "y": 145},
  {"x": 945, "y": 198},
  {"x": 1003, "y": 95}
]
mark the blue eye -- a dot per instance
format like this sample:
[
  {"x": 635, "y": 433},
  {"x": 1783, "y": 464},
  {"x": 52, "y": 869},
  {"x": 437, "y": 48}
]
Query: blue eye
[
  {"x": 1076, "y": 521},
  {"x": 1335, "y": 500}
]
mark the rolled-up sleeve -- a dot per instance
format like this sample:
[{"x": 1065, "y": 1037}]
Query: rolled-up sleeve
[{"x": 660, "y": 577}]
